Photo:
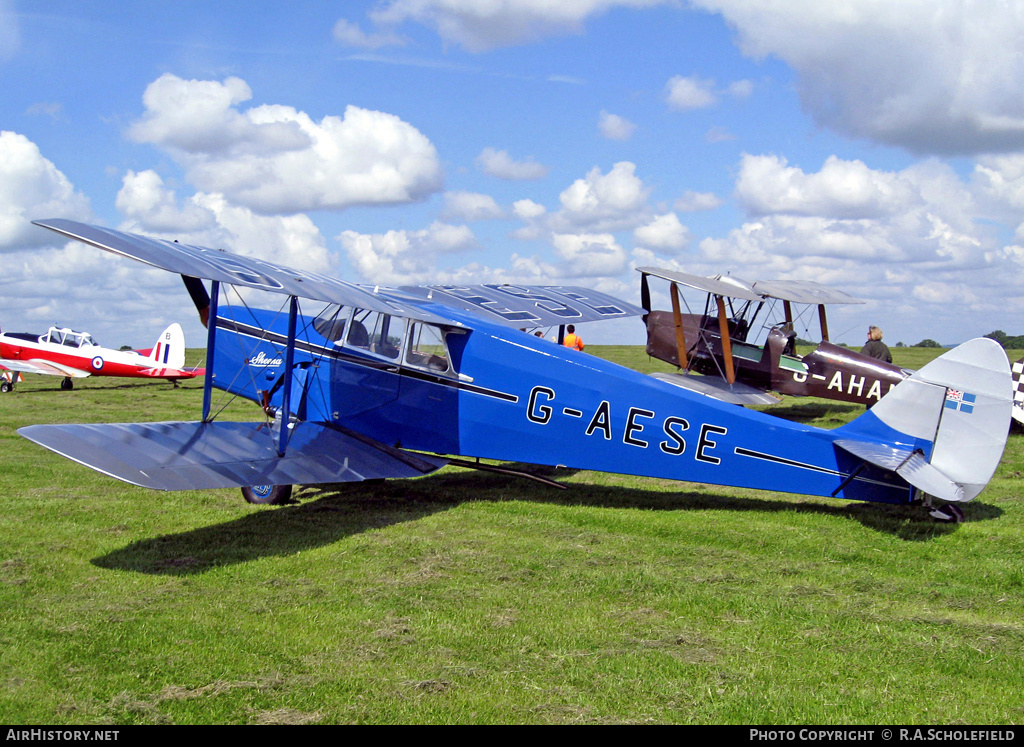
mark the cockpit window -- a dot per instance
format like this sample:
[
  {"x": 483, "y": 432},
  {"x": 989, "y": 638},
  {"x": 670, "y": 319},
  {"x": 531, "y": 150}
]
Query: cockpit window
[
  {"x": 67, "y": 337},
  {"x": 376, "y": 333},
  {"x": 332, "y": 322},
  {"x": 427, "y": 348}
]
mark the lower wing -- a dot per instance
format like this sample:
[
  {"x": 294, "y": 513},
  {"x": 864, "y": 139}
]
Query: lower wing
[
  {"x": 197, "y": 456},
  {"x": 39, "y": 366}
]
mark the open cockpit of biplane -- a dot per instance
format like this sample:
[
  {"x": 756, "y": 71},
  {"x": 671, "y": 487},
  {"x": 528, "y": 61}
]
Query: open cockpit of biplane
[{"x": 721, "y": 341}]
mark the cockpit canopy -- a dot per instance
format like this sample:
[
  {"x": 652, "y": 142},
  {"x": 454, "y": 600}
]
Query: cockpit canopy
[{"x": 68, "y": 337}]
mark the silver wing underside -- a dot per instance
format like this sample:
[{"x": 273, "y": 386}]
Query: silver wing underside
[
  {"x": 803, "y": 291},
  {"x": 198, "y": 456},
  {"x": 723, "y": 285},
  {"x": 730, "y": 286}
]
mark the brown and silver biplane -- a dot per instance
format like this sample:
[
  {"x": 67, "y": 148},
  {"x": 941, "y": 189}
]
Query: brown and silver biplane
[{"x": 719, "y": 343}]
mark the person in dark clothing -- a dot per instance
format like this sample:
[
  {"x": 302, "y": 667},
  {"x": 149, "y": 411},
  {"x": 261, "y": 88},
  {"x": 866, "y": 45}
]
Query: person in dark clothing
[{"x": 874, "y": 347}]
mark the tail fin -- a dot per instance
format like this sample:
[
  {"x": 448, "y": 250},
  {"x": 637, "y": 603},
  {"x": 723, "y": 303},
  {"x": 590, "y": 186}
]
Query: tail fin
[
  {"x": 169, "y": 349},
  {"x": 959, "y": 405}
]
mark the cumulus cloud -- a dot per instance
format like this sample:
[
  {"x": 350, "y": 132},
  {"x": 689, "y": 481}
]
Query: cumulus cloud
[
  {"x": 597, "y": 204},
  {"x": 351, "y": 35},
  {"x": 932, "y": 76},
  {"x": 664, "y": 234},
  {"x": 611, "y": 201},
  {"x": 273, "y": 158},
  {"x": 589, "y": 255},
  {"x": 125, "y": 302},
  {"x": 31, "y": 187},
  {"x": 1000, "y": 183},
  {"x": 924, "y": 211},
  {"x": 684, "y": 94},
  {"x": 205, "y": 219},
  {"x": 470, "y": 206},
  {"x": 692, "y": 202},
  {"x": 500, "y": 164},
  {"x": 290, "y": 240},
  {"x": 910, "y": 240},
  {"x": 842, "y": 189},
  {"x": 404, "y": 256},
  {"x": 147, "y": 203},
  {"x": 528, "y": 209},
  {"x": 479, "y": 26},
  {"x": 614, "y": 127}
]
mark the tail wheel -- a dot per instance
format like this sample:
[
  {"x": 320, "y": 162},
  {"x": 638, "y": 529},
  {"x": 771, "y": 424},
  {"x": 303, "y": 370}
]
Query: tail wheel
[
  {"x": 268, "y": 495},
  {"x": 949, "y": 513}
]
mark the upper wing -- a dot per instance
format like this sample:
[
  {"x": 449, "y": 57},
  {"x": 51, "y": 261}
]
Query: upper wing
[
  {"x": 528, "y": 306},
  {"x": 723, "y": 285},
  {"x": 518, "y": 306},
  {"x": 803, "y": 291},
  {"x": 236, "y": 269},
  {"x": 39, "y": 366}
]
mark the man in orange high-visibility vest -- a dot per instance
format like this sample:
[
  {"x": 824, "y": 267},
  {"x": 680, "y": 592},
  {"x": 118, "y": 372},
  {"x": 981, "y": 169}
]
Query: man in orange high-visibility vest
[{"x": 571, "y": 339}]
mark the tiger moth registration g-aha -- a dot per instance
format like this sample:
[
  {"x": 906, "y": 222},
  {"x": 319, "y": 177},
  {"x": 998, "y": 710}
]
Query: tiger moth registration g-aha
[
  {"x": 718, "y": 344},
  {"x": 359, "y": 382}
]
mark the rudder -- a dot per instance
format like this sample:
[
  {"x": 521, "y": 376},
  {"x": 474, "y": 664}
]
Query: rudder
[
  {"x": 960, "y": 404},
  {"x": 169, "y": 348}
]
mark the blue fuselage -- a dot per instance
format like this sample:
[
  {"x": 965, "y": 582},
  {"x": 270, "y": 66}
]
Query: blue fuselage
[{"x": 514, "y": 397}]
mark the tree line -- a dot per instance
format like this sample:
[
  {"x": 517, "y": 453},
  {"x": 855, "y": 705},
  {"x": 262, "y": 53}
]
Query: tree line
[{"x": 1007, "y": 341}]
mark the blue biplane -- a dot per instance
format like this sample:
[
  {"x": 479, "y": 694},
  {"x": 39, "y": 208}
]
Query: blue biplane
[{"x": 360, "y": 383}]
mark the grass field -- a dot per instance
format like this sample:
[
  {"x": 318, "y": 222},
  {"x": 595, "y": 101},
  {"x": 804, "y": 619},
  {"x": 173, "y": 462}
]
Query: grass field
[{"x": 466, "y": 597}]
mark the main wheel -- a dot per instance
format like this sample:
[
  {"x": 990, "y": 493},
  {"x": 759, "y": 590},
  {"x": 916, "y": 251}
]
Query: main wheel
[
  {"x": 67, "y": 384},
  {"x": 6, "y": 386},
  {"x": 267, "y": 495}
]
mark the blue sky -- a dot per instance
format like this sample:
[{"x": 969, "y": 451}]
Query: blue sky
[{"x": 874, "y": 146}]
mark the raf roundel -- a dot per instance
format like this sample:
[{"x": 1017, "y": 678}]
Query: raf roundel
[{"x": 97, "y": 363}]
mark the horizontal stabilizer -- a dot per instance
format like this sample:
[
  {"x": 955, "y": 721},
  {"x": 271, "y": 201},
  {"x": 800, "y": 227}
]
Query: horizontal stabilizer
[
  {"x": 197, "y": 456},
  {"x": 172, "y": 373},
  {"x": 910, "y": 465},
  {"x": 720, "y": 389}
]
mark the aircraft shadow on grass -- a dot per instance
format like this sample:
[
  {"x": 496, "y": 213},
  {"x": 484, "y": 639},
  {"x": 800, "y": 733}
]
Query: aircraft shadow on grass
[
  {"x": 806, "y": 412},
  {"x": 328, "y": 513}
]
